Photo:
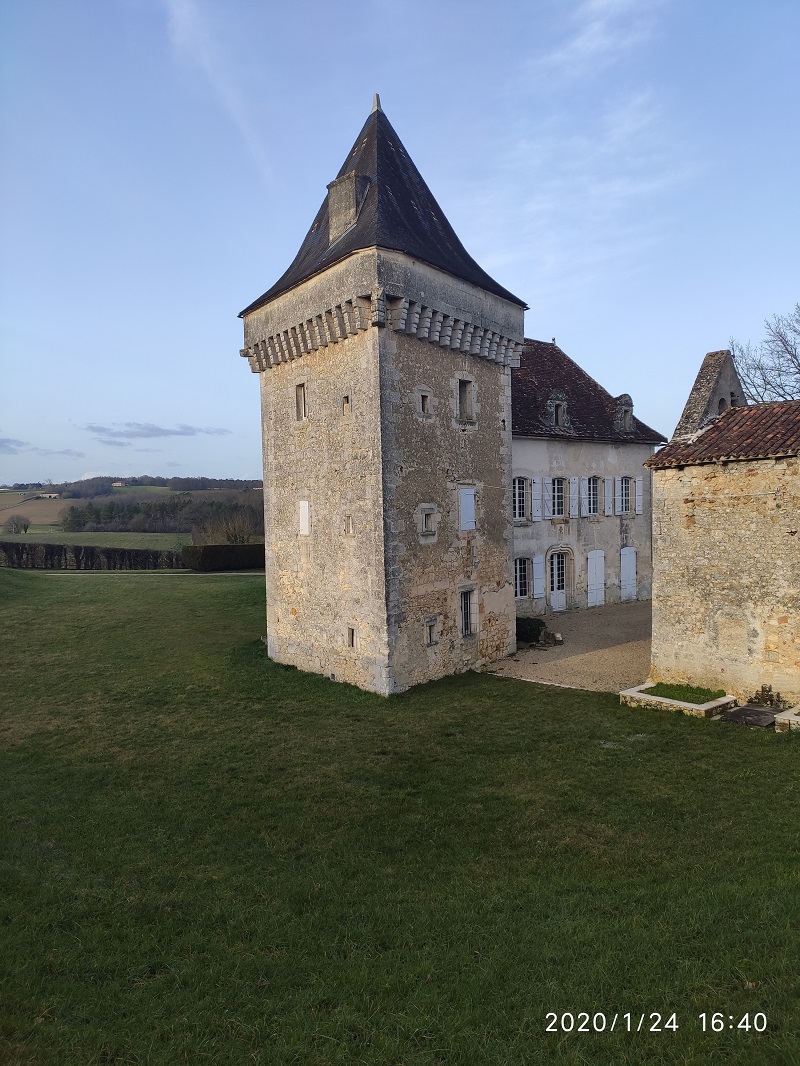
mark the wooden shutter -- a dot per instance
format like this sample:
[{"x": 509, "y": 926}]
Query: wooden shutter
[
  {"x": 573, "y": 497},
  {"x": 584, "y": 497},
  {"x": 608, "y": 498},
  {"x": 547, "y": 497},
  {"x": 639, "y": 495},
  {"x": 467, "y": 509},
  {"x": 305, "y": 517},
  {"x": 536, "y": 499},
  {"x": 538, "y": 577},
  {"x": 617, "y": 495}
]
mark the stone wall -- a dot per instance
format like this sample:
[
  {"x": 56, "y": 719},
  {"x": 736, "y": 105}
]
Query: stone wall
[
  {"x": 578, "y": 536},
  {"x": 726, "y": 582}
]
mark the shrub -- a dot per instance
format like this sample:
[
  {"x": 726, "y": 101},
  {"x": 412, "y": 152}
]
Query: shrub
[{"x": 208, "y": 557}]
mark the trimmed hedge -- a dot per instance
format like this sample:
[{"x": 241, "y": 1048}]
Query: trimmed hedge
[
  {"x": 208, "y": 557},
  {"x": 29, "y": 555}
]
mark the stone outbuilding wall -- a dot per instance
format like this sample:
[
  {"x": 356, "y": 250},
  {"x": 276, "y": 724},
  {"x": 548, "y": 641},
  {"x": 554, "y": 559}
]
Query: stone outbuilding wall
[{"x": 726, "y": 575}]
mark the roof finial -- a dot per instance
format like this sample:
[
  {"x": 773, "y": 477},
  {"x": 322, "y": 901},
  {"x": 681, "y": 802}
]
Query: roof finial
[{"x": 376, "y": 104}]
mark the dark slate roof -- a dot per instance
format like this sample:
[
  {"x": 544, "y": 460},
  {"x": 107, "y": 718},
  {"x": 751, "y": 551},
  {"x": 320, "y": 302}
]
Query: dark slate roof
[
  {"x": 760, "y": 431},
  {"x": 544, "y": 372},
  {"x": 398, "y": 213}
]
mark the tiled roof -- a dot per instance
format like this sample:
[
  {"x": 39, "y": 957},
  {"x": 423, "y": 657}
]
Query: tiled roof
[
  {"x": 545, "y": 373},
  {"x": 399, "y": 213},
  {"x": 761, "y": 431}
]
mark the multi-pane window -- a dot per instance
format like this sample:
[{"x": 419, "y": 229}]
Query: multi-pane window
[
  {"x": 593, "y": 496},
  {"x": 466, "y": 612},
  {"x": 558, "y": 497},
  {"x": 300, "y": 402},
  {"x": 521, "y": 578},
  {"x": 625, "y": 495},
  {"x": 519, "y": 502}
]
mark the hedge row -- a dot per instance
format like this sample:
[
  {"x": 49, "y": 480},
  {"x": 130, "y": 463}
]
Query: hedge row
[
  {"x": 28, "y": 555},
  {"x": 224, "y": 556}
]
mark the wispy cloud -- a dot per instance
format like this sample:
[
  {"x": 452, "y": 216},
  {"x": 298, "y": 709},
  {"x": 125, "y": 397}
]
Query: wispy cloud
[
  {"x": 10, "y": 446},
  {"x": 121, "y": 433},
  {"x": 598, "y": 32},
  {"x": 193, "y": 42}
]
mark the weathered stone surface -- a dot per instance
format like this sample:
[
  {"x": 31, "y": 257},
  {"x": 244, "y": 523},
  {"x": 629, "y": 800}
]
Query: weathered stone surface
[{"x": 726, "y": 580}]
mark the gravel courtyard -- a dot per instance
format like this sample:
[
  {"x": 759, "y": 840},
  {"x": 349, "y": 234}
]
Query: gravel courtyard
[{"x": 605, "y": 649}]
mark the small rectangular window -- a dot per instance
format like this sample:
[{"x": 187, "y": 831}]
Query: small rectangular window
[
  {"x": 466, "y": 613},
  {"x": 305, "y": 517},
  {"x": 349, "y": 525},
  {"x": 300, "y": 402},
  {"x": 425, "y": 403},
  {"x": 427, "y": 521},
  {"x": 464, "y": 400},
  {"x": 467, "y": 509},
  {"x": 351, "y": 637},
  {"x": 345, "y": 405},
  {"x": 430, "y": 631}
]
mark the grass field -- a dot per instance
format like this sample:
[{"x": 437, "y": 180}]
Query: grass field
[
  {"x": 209, "y": 858},
  {"x": 42, "y": 512},
  {"x": 55, "y": 535}
]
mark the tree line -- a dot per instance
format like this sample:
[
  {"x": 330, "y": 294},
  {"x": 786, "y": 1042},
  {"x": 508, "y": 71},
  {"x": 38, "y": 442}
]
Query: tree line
[{"x": 227, "y": 520}]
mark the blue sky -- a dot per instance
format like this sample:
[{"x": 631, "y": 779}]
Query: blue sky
[{"x": 628, "y": 167}]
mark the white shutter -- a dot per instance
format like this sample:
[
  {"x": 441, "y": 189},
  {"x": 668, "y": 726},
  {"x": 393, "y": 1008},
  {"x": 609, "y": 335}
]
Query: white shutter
[
  {"x": 608, "y": 499},
  {"x": 617, "y": 495},
  {"x": 639, "y": 496},
  {"x": 538, "y": 577},
  {"x": 467, "y": 509},
  {"x": 573, "y": 497},
  {"x": 536, "y": 499},
  {"x": 584, "y": 497},
  {"x": 547, "y": 497},
  {"x": 305, "y": 517}
]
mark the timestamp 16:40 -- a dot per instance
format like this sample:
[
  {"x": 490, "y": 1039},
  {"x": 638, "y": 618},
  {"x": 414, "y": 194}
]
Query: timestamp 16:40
[
  {"x": 655, "y": 1022},
  {"x": 719, "y": 1022}
]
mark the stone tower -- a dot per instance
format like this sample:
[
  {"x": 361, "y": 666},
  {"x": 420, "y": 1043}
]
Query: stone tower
[{"x": 385, "y": 356}]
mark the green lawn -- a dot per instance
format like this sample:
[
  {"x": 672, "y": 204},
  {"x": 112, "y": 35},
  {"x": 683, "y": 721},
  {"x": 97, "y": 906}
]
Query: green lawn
[
  {"x": 55, "y": 535},
  {"x": 208, "y": 858}
]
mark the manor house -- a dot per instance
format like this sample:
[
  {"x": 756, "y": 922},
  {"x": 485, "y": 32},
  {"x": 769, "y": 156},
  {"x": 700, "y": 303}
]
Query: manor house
[{"x": 403, "y": 530}]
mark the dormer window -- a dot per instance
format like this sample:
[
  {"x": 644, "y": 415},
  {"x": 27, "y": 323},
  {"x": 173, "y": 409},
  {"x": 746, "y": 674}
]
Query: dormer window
[
  {"x": 623, "y": 413},
  {"x": 557, "y": 414}
]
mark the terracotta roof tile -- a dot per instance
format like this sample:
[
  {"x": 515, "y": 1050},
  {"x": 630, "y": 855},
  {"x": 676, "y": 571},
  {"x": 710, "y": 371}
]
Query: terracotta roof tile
[
  {"x": 545, "y": 373},
  {"x": 760, "y": 431}
]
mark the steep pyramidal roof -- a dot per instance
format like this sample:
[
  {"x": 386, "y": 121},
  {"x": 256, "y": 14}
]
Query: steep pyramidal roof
[
  {"x": 396, "y": 211},
  {"x": 545, "y": 374}
]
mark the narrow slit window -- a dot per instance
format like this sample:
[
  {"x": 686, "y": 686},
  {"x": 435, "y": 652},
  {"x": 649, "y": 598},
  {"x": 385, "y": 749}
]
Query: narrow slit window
[
  {"x": 466, "y": 612},
  {"x": 430, "y": 631},
  {"x": 345, "y": 405},
  {"x": 351, "y": 637},
  {"x": 427, "y": 521},
  {"x": 301, "y": 408},
  {"x": 464, "y": 400},
  {"x": 349, "y": 526},
  {"x": 425, "y": 403}
]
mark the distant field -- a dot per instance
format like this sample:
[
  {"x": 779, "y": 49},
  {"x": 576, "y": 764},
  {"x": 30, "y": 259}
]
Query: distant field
[
  {"x": 40, "y": 512},
  {"x": 159, "y": 541},
  {"x": 140, "y": 490}
]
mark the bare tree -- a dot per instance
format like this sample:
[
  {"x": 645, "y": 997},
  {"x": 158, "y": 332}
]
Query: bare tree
[
  {"x": 17, "y": 523},
  {"x": 771, "y": 370}
]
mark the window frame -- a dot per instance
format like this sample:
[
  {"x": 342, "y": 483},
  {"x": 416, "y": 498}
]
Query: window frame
[
  {"x": 519, "y": 499},
  {"x": 556, "y": 491},
  {"x": 522, "y": 583},
  {"x": 301, "y": 402}
]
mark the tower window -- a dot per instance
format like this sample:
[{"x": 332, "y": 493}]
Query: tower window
[
  {"x": 349, "y": 526},
  {"x": 351, "y": 637},
  {"x": 465, "y": 412},
  {"x": 430, "y": 631},
  {"x": 345, "y": 405},
  {"x": 467, "y": 599},
  {"x": 300, "y": 402},
  {"x": 425, "y": 403},
  {"x": 427, "y": 521}
]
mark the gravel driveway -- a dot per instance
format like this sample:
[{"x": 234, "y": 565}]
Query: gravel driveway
[{"x": 605, "y": 649}]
